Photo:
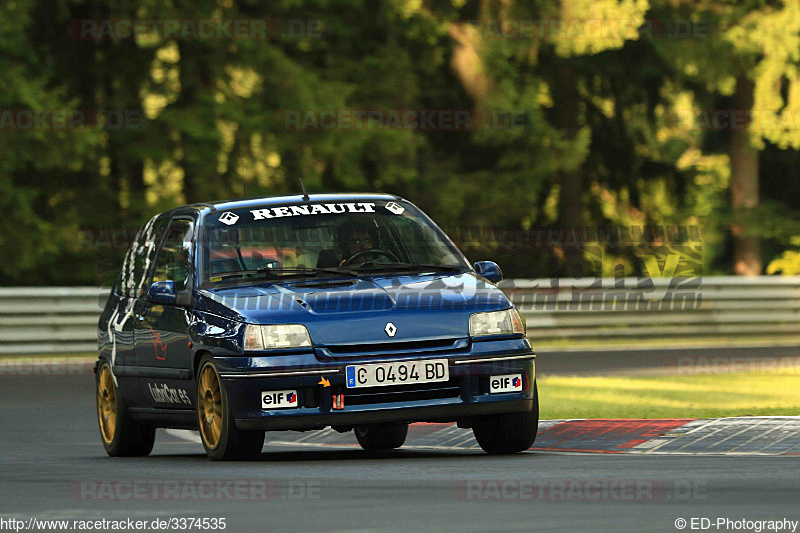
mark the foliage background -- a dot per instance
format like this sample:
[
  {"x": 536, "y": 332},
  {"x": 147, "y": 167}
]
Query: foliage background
[{"x": 612, "y": 127}]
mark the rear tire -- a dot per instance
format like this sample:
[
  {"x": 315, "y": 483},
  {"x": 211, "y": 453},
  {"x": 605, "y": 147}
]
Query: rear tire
[
  {"x": 120, "y": 434},
  {"x": 375, "y": 437},
  {"x": 509, "y": 432},
  {"x": 222, "y": 440}
]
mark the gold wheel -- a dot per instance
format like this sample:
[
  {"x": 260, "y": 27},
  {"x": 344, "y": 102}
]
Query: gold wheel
[
  {"x": 106, "y": 404},
  {"x": 209, "y": 405}
]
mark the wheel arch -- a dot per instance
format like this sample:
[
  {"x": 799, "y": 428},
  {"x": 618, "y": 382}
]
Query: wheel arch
[{"x": 198, "y": 356}]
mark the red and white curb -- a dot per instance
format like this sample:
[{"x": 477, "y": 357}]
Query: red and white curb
[
  {"x": 774, "y": 435},
  {"x": 767, "y": 435}
]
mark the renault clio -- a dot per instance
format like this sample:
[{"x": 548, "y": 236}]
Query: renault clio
[{"x": 352, "y": 311}]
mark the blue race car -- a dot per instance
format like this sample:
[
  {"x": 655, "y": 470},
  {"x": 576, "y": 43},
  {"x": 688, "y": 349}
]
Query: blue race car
[{"x": 302, "y": 312}]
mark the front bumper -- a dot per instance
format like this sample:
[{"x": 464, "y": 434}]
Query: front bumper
[
  {"x": 428, "y": 413},
  {"x": 317, "y": 382}
]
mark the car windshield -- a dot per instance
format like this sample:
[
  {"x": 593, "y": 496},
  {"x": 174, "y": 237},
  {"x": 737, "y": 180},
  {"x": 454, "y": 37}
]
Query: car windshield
[{"x": 316, "y": 238}]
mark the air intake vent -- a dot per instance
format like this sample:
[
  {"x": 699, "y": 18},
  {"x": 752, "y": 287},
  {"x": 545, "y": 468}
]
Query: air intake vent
[
  {"x": 392, "y": 346},
  {"x": 403, "y": 393}
]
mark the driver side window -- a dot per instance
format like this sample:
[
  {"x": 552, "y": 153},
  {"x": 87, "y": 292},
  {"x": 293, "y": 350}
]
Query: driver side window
[{"x": 173, "y": 262}]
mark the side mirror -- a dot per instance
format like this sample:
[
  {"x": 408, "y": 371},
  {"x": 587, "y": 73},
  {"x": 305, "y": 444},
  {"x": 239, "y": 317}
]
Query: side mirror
[
  {"x": 162, "y": 292},
  {"x": 489, "y": 270}
]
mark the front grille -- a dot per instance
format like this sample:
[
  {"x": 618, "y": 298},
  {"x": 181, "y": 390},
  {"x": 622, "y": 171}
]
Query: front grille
[
  {"x": 407, "y": 346},
  {"x": 403, "y": 393}
]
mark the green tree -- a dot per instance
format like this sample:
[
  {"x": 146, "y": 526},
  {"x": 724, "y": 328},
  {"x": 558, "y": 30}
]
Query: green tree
[{"x": 749, "y": 61}]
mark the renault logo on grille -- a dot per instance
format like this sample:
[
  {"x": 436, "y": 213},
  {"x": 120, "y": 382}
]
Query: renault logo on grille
[{"x": 390, "y": 329}]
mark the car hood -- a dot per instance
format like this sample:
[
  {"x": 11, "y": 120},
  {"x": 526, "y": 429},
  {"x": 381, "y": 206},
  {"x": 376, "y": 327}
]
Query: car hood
[{"x": 353, "y": 311}]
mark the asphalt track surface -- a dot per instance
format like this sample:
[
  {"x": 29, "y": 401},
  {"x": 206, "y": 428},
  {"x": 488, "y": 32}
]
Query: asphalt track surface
[{"x": 52, "y": 462}]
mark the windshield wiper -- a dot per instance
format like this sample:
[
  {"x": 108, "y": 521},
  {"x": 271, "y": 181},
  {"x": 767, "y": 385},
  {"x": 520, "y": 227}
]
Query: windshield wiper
[
  {"x": 304, "y": 270},
  {"x": 282, "y": 272},
  {"x": 371, "y": 266}
]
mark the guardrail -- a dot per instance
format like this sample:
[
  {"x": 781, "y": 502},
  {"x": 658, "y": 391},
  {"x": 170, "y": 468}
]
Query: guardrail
[
  {"x": 64, "y": 319},
  {"x": 658, "y": 308},
  {"x": 49, "y": 319}
]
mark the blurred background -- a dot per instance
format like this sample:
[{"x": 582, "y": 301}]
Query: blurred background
[{"x": 577, "y": 114}]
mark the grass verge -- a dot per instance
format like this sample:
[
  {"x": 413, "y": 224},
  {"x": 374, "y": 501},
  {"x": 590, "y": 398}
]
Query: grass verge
[{"x": 697, "y": 396}]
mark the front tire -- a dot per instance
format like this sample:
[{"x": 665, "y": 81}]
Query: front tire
[
  {"x": 221, "y": 438},
  {"x": 121, "y": 435},
  {"x": 509, "y": 432},
  {"x": 375, "y": 437}
]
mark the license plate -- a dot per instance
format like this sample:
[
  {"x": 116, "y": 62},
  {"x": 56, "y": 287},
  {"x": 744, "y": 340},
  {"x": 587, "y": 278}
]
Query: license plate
[
  {"x": 397, "y": 373},
  {"x": 279, "y": 399}
]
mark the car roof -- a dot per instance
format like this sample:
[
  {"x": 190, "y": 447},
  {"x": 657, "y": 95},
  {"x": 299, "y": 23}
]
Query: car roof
[{"x": 258, "y": 201}]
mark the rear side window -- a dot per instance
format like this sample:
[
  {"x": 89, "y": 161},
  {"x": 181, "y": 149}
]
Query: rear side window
[
  {"x": 173, "y": 261},
  {"x": 140, "y": 257}
]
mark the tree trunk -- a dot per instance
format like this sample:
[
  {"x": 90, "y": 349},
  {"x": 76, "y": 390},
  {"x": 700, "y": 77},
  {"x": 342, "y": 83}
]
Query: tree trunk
[
  {"x": 467, "y": 64},
  {"x": 744, "y": 186},
  {"x": 200, "y": 180},
  {"x": 570, "y": 201}
]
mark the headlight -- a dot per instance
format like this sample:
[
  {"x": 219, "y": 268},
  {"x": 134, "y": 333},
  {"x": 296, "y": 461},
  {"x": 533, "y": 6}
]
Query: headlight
[
  {"x": 275, "y": 337},
  {"x": 506, "y": 322}
]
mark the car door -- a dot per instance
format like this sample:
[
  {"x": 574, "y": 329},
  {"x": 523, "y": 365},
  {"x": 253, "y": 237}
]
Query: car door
[
  {"x": 120, "y": 327},
  {"x": 161, "y": 330}
]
